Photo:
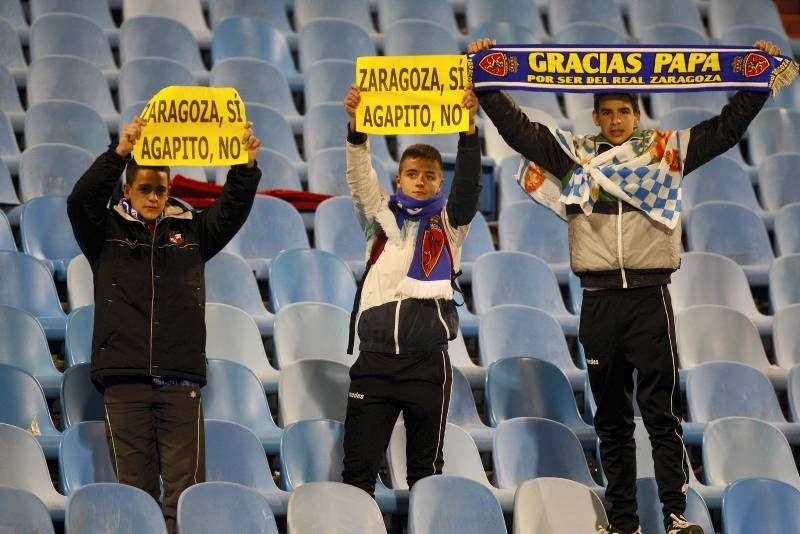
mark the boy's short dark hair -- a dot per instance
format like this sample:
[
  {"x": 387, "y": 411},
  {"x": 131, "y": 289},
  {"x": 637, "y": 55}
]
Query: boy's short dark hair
[
  {"x": 133, "y": 168},
  {"x": 632, "y": 97},
  {"x": 424, "y": 151}
]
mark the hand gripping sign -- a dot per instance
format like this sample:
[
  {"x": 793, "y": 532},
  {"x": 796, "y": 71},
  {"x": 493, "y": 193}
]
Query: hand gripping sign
[
  {"x": 412, "y": 94},
  {"x": 192, "y": 126}
]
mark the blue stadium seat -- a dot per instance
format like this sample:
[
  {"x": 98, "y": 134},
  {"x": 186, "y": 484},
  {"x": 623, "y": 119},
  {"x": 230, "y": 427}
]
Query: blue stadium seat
[
  {"x": 776, "y": 181},
  {"x": 229, "y": 280},
  {"x": 511, "y": 331},
  {"x": 508, "y": 32},
  {"x": 588, "y": 33},
  {"x": 66, "y": 122},
  {"x": 478, "y": 242},
  {"x": 575, "y": 293},
  {"x": 531, "y": 447},
  {"x": 313, "y": 389},
  {"x": 32, "y": 289},
  {"x": 327, "y": 172},
  {"x": 328, "y": 507},
  {"x": 9, "y": 150},
  {"x": 412, "y": 37},
  {"x": 95, "y": 10},
  {"x": 517, "y": 12},
  {"x": 793, "y": 393},
  {"x": 556, "y": 505},
  {"x": 760, "y": 504},
  {"x": 80, "y": 285},
  {"x": 748, "y": 32},
  {"x": 254, "y": 37},
  {"x": 642, "y": 14},
  {"x": 327, "y": 340},
  {"x": 11, "y": 11},
  {"x": 725, "y": 14},
  {"x": 23, "y": 466},
  {"x": 235, "y": 454},
  {"x": 155, "y": 36},
  {"x": 527, "y": 226},
  {"x": 328, "y": 80},
  {"x": 311, "y": 451},
  {"x": 722, "y": 178},
  {"x": 259, "y": 243},
  {"x": 519, "y": 278},
  {"x": 22, "y": 404},
  {"x": 275, "y": 133},
  {"x": 78, "y": 338},
  {"x": 84, "y": 457},
  {"x": 784, "y": 281},
  {"x": 333, "y": 39},
  {"x": 27, "y": 348},
  {"x": 141, "y": 78},
  {"x": 563, "y": 12},
  {"x": 464, "y": 414},
  {"x": 278, "y": 172},
  {"x": 232, "y": 334},
  {"x": 686, "y": 117},
  {"x": 735, "y": 232},
  {"x": 299, "y": 275},
  {"x": 357, "y": 11},
  {"x": 9, "y": 100},
  {"x": 675, "y": 33},
  {"x": 271, "y": 11},
  {"x": 438, "y": 11},
  {"x": 234, "y": 393},
  {"x": 453, "y": 505},
  {"x": 111, "y": 507},
  {"x": 6, "y": 237},
  {"x": 51, "y": 169},
  {"x": 509, "y": 190},
  {"x": 787, "y": 239},
  {"x": 741, "y": 447},
  {"x": 213, "y": 507},
  {"x": 528, "y": 387},
  {"x": 46, "y": 234},
  {"x": 460, "y": 358},
  {"x": 662, "y": 103},
  {"x": 786, "y": 339},
  {"x": 774, "y": 130},
  {"x": 188, "y": 12},
  {"x": 496, "y": 146},
  {"x": 80, "y": 399},
  {"x": 11, "y": 52},
  {"x": 336, "y": 230},
  {"x": 650, "y": 512},
  {"x": 22, "y": 511}
]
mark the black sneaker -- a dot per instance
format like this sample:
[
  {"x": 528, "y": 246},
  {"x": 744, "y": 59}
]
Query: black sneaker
[
  {"x": 677, "y": 524},
  {"x": 611, "y": 529}
]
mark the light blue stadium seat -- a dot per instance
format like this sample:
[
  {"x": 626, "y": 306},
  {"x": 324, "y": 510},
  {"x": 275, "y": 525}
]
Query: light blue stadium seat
[
  {"x": 22, "y": 404},
  {"x": 555, "y": 505},
  {"x": 793, "y": 393},
  {"x": 230, "y": 280},
  {"x": 786, "y": 339},
  {"x": 675, "y": 33},
  {"x": 517, "y": 12},
  {"x": 275, "y": 132},
  {"x": 278, "y": 172},
  {"x": 460, "y": 358},
  {"x": 357, "y": 11},
  {"x": 333, "y": 39},
  {"x": 78, "y": 339},
  {"x": 722, "y": 178},
  {"x": 707, "y": 278},
  {"x": 84, "y": 457},
  {"x": 23, "y": 466},
  {"x": 588, "y": 33},
  {"x": 9, "y": 150},
  {"x": 95, "y": 10},
  {"x": 252, "y": 37},
  {"x": 512, "y": 330},
  {"x": 748, "y": 32},
  {"x": 9, "y": 100},
  {"x": 509, "y": 190},
  {"x": 155, "y": 36},
  {"x": 531, "y": 447},
  {"x": 212, "y": 507},
  {"x": 642, "y": 14},
  {"x": 141, "y": 78},
  {"x": 649, "y": 508},
  {"x": 311, "y": 451},
  {"x": 29, "y": 286},
  {"x": 22, "y": 339},
  {"x": 527, "y": 226},
  {"x": 787, "y": 239},
  {"x": 46, "y": 234},
  {"x": 528, "y": 387},
  {"x": 760, "y": 504},
  {"x": 560, "y": 13},
  {"x": 80, "y": 283},
  {"x": 496, "y": 146},
  {"x": 519, "y": 278},
  {"x": 686, "y": 117},
  {"x": 22, "y": 511},
  {"x": 80, "y": 399},
  {"x": 313, "y": 389},
  {"x": 327, "y": 340},
  {"x": 734, "y": 231},
  {"x": 331, "y": 507},
  {"x": 725, "y": 14},
  {"x": 232, "y": 334},
  {"x": 66, "y": 122},
  {"x": 412, "y": 37},
  {"x": 6, "y": 237},
  {"x": 336, "y": 230},
  {"x": 464, "y": 414},
  {"x": 478, "y": 242},
  {"x": 784, "y": 281},
  {"x": 328, "y": 80},
  {"x": 741, "y": 447},
  {"x": 111, "y": 507},
  {"x": 508, "y": 32},
  {"x": 299, "y": 275},
  {"x": 327, "y": 172},
  {"x": 234, "y": 393},
  {"x": 11, "y": 56},
  {"x": 575, "y": 293},
  {"x": 453, "y": 505},
  {"x": 272, "y": 226},
  {"x": 662, "y": 103},
  {"x": 776, "y": 181},
  {"x": 11, "y": 11},
  {"x": 188, "y": 12},
  {"x": 438, "y": 11},
  {"x": 271, "y": 11},
  {"x": 772, "y": 131},
  {"x": 235, "y": 454},
  {"x": 130, "y": 112}
]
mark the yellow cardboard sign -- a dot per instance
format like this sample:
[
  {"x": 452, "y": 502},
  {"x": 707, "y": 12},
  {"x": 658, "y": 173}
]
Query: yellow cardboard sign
[
  {"x": 412, "y": 94},
  {"x": 192, "y": 126}
]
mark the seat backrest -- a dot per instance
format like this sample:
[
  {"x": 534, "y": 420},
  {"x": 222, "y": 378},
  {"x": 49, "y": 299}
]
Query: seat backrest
[
  {"x": 229, "y": 280},
  {"x": 784, "y": 287},
  {"x": 273, "y": 129},
  {"x": 312, "y": 451},
  {"x": 22, "y": 464},
  {"x": 224, "y": 507},
  {"x": 327, "y": 172},
  {"x": 644, "y": 454},
  {"x": 453, "y": 505},
  {"x": 642, "y": 14},
  {"x": 438, "y": 11},
  {"x": 793, "y": 393},
  {"x": 588, "y": 33},
  {"x": 530, "y": 447},
  {"x": 256, "y": 80},
  {"x": 741, "y": 447},
  {"x": 22, "y": 340},
  {"x": 787, "y": 240},
  {"x": 328, "y": 80},
  {"x": 563, "y": 12},
  {"x": 724, "y": 14},
  {"x": 649, "y": 508},
  {"x": 556, "y": 505},
  {"x": 663, "y": 103},
  {"x": 412, "y": 37},
  {"x": 294, "y": 340},
  {"x": 143, "y": 77},
  {"x": 6, "y": 236},
  {"x": 23, "y": 403},
  {"x": 752, "y": 30},
  {"x": 708, "y": 278},
  {"x": 80, "y": 283},
  {"x": 549, "y": 242},
  {"x": 155, "y": 36},
  {"x": 34, "y": 289},
  {"x": 11, "y": 55},
  {"x": 478, "y": 241},
  {"x": 319, "y": 129},
  {"x": 252, "y": 36},
  {"x": 333, "y": 39},
  {"x": 22, "y": 511},
  {"x": 722, "y": 178},
  {"x": 775, "y": 180},
  {"x": 760, "y": 504},
  {"x": 96, "y": 10},
  {"x": 336, "y": 229},
  {"x": 80, "y": 399},
  {"x": 739, "y": 342},
  {"x": 234, "y": 454},
  {"x": 234, "y": 393},
  {"x": 45, "y": 231},
  {"x": 479, "y": 12},
  {"x": 786, "y": 338},
  {"x": 69, "y": 78},
  {"x": 724, "y": 389},
  {"x": 333, "y": 507},
  {"x": 232, "y": 334},
  {"x": 731, "y": 230},
  {"x": 279, "y": 171},
  {"x": 11, "y": 11},
  {"x": 84, "y": 457},
  {"x": 462, "y": 410},
  {"x": 70, "y": 34},
  {"x": 273, "y": 225},
  {"x": 272, "y": 11},
  {"x": 117, "y": 507},
  {"x": 63, "y": 121},
  {"x": 188, "y": 12},
  {"x": 357, "y": 11},
  {"x": 51, "y": 169},
  {"x": 310, "y": 275},
  {"x": 313, "y": 389}
]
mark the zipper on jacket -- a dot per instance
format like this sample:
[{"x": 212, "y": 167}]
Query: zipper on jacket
[
  {"x": 444, "y": 324},
  {"x": 619, "y": 245},
  {"x": 397, "y": 328},
  {"x": 152, "y": 291}
]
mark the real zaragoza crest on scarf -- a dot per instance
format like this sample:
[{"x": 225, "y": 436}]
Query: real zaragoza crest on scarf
[{"x": 432, "y": 245}]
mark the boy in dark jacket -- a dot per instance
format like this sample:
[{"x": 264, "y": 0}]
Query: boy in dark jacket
[{"x": 147, "y": 255}]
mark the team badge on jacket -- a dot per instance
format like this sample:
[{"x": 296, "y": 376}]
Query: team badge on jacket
[
  {"x": 432, "y": 244},
  {"x": 176, "y": 238}
]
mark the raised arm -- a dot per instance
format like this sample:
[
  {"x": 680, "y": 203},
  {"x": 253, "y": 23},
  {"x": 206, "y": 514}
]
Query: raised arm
[{"x": 462, "y": 204}]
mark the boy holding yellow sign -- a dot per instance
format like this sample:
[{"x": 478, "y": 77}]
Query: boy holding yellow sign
[
  {"x": 407, "y": 312},
  {"x": 147, "y": 254}
]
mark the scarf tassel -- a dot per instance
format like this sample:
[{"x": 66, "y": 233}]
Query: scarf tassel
[{"x": 783, "y": 75}]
